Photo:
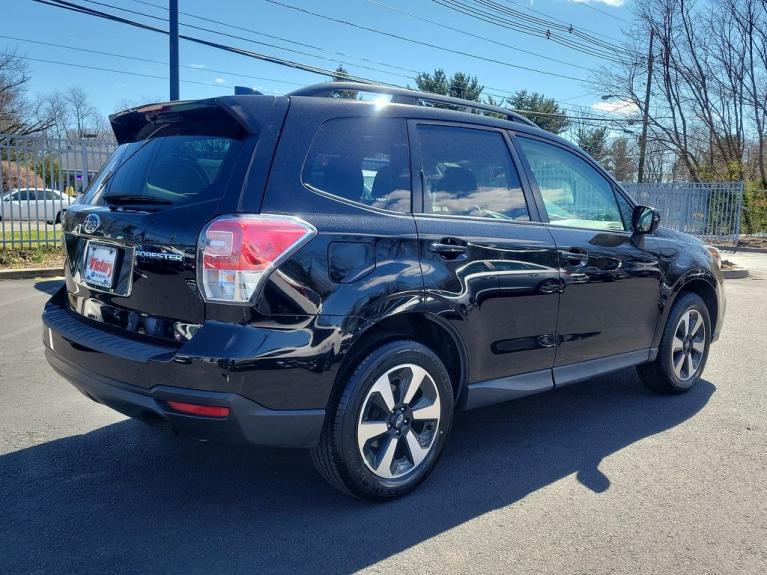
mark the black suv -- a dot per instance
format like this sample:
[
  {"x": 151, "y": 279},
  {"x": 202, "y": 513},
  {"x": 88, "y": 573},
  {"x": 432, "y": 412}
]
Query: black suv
[{"x": 343, "y": 273}]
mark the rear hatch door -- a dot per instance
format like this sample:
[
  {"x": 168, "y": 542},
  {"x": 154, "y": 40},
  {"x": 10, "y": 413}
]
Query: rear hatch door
[{"x": 131, "y": 244}]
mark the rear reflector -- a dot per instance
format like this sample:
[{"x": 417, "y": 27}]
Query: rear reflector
[
  {"x": 237, "y": 252},
  {"x": 195, "y": 409}
]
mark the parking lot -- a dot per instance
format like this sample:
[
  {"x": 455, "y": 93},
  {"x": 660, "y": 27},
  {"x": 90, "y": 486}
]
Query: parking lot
[{"x": 600, "y": 477}]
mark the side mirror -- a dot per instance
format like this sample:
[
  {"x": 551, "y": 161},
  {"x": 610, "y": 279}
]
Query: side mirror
[{"x": 645, "y": 220}]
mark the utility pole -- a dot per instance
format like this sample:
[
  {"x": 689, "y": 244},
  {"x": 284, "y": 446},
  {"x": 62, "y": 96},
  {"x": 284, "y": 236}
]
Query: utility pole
[
  {"x": 645, "y": 112},
  {"x": 173, "y": 35}
]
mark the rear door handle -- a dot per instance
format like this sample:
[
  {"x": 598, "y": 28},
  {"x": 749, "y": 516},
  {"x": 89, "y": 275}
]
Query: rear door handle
[
  {"x": 575, "y": 256},
  {"x": 448, "y": 250}
]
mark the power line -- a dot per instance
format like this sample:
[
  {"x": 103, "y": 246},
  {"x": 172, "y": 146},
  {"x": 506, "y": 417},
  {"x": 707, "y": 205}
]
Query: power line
[
  {"x": 149, "y": 61},
  {"x": 421, "y": 43},
  {"x": 222, "y": 23},
  {"x": 531, "y": 9},
  {"x": 101, "y": 69},
  {"x": 545, "y": 33},
  {"x": 91, "y": 12},
  {"x": 281, "y": 39},
  {"x": 241, "y": 51},
  {"x": 587, "y": 5},
  {"x": 466, "y": 33},
  {"x": 547, "y": 23},
  {"x": 236, "y": 37}
]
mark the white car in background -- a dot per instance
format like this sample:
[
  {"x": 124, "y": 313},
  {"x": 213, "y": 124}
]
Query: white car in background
[{"x": 34, "y": 204}]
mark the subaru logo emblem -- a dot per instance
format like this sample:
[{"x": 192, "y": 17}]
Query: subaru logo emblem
[{"x": 91, "y": 223}]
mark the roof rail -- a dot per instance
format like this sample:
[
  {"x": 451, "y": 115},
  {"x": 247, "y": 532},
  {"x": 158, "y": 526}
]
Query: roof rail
[{"x": 409, "y": 97}]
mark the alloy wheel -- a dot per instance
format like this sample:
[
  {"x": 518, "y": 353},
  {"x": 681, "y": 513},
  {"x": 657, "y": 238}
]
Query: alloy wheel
[
  {"x": 399, "y": 421},
  {"x": 688, "y": 345}
]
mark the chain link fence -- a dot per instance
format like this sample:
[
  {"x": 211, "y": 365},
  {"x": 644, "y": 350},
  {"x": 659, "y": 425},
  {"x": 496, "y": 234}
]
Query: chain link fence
[{"x": 40, "y": 177}]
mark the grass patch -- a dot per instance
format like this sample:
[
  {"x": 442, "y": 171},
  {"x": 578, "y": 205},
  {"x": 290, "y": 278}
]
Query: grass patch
[
  {"x": 42, "y": 256},
  {"x": 29, "y": 236}
]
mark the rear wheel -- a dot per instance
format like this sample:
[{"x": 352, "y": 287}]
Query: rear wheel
[
  {"x": 683, "y": 348},
  {"x": 389, "y": 426}
]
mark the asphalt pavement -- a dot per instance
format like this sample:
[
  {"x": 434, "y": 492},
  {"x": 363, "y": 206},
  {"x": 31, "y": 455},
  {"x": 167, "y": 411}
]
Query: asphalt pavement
[{"x": 599, "y": 477}]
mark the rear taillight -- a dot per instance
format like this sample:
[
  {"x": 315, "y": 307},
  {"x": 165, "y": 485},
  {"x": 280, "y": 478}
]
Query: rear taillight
[{"x": 237, "y": 252}]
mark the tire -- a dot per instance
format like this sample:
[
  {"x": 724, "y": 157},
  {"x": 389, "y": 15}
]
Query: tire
[
  {"x": 376, "y": 447},
  {"x": 57, "y": 221},
  {"x": 681, "y": 342}
]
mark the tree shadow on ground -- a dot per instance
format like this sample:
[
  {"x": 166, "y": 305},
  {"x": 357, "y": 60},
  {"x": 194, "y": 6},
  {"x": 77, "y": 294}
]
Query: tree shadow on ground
[{"x": 129, "y": 498}]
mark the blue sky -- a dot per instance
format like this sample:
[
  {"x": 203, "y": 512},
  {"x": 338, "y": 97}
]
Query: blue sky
[{"x": 28, "y": 20}]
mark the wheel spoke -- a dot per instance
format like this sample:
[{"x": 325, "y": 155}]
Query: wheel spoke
[
  {"x": 678, "y": 364},
  {"x": 677, "y": 344},
  {"x": 418, "y": 375},
  {"x": 417, "y": 452},
  {"x": 684, "y": 325},
  {"x": 697, "y": 324},
  {"x": 431, "y": 411},
  {"x": 687, "y": 366},
  {"x": 370, "y": 429},
  {"x": 699, "y": 346},
  {"x": 383, "y": 387},
  {"x": 384, "y": 465}
]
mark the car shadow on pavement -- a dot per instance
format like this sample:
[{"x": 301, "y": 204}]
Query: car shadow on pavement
[
  {"x": 49, "y": 286},
  {"x": 129, "y": 498}
]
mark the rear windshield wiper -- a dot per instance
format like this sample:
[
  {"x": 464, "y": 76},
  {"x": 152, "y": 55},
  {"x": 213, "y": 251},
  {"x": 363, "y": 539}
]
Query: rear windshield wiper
[{"x": 135, "y": 199}]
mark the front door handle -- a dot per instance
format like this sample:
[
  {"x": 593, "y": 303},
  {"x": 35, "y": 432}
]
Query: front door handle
[{"x": 575, "y": 256}]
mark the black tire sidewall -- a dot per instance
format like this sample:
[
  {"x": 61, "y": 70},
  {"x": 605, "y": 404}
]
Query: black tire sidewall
[
  {"x": 372, "y": 367},
  {"x": 686, "y": 303}
]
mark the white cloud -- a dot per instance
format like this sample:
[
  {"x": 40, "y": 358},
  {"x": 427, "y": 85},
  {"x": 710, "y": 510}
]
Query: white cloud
[
  {"x": 621, "y": 107},
  {"x": 615, "y": 3},
  {"x": 220, "y": 81}
]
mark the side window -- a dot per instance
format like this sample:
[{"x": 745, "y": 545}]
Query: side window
[
  {"x": 365, "y": 160},
  {"x": 469, "y": 172},
  {"x": 574, "y": 193},
  {"x": 32, "y": 195}
]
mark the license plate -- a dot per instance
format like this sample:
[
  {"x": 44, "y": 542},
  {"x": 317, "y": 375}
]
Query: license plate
[{"x": 100, "y": 264}]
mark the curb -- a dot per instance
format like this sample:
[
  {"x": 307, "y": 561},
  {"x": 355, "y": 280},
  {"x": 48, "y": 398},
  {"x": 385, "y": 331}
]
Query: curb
[
  {"x": 735, "y": 274},
  {"x": 30, "y": 273},
  {"x": 743, "y": 249}
]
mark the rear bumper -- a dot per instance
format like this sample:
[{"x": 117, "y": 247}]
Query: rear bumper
[
  {"x": 131, "y": 377},
  {"x": 247, "y": 423}
]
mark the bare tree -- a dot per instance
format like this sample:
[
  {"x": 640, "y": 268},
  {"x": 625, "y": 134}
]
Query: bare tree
[
  {"x": 708, "y": 82},
  {"x": 84, "y": 115},
  {"x": 53, "y": 110},
  {"x": 15, "y": 116}
]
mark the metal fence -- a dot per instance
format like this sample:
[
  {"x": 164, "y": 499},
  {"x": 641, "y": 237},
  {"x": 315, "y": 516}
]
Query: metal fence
[
  {"x": 709, "y": 210},
  {"x": 42, "y": 176},
  {"x": 39, "y": 178}
]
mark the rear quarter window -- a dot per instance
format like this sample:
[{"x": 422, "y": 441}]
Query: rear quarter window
[{"x": 362, "y": 160}]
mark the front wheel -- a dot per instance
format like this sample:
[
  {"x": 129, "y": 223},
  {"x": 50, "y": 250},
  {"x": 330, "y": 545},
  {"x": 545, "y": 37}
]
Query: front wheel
[
  {"x": 389, "y": 426},
  {"x": 683, "y": 349}
]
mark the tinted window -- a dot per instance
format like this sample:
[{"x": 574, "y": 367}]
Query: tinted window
[
  {"x": 365, "y": 160},
  {"x": 170, "y": 169},
  {"x": 469, "y": 172},
  {"x": 574, "y": 193}
]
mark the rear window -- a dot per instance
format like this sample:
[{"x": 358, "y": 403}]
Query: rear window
[
  {"x": 167, "y": 170},
  {"x": 363, "y": 160}
]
